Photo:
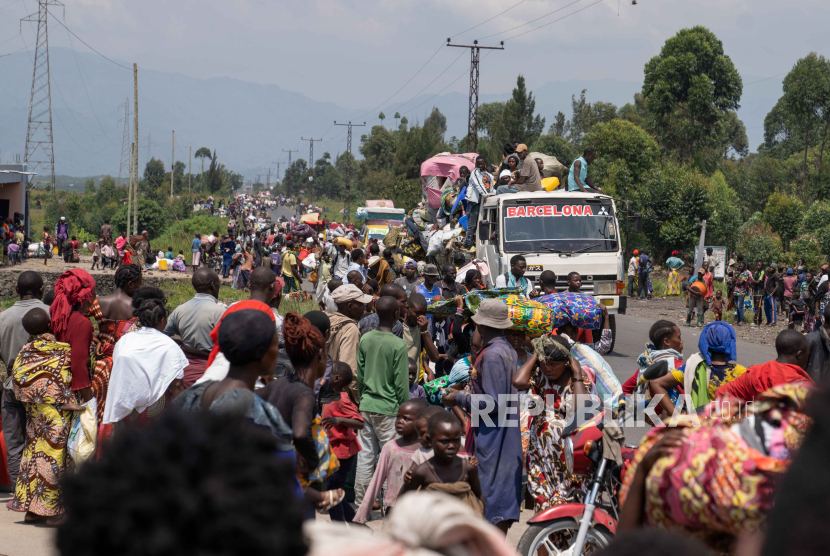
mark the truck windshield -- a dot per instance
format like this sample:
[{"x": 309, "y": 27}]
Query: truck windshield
[{"x": 565, "y": 226}]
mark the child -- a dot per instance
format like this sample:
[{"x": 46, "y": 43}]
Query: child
[
  {"x": 416, "y": 391},
  {"x": 717, "y": 305},
  {"x": 446, "y": 471},
  {"x": 797, "y": 314},
  {"x": 96, "y": 254},
  {"x": 394, "y": 460},
  {"x": 14, "y": 250},
  {"x": 341, "y": 419},
  {"x": 169, "y": 254}
]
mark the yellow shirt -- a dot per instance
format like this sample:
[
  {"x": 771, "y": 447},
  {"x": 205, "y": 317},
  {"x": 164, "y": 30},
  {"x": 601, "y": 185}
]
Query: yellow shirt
[{"x": 289, "y": 259}]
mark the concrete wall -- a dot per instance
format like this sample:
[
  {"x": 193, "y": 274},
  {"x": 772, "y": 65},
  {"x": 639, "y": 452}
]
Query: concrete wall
[{"x": 15, "y": 192}]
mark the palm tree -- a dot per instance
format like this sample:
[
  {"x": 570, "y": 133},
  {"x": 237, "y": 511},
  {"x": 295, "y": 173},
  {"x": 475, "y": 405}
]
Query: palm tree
[
  {"x": 397, "y": 117},
  {"x": 202, "y": 154},
  {"x": 382, "y": 117}
]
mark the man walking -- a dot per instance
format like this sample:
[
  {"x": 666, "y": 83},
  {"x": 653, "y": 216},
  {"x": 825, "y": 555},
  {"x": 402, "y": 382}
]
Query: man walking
[
  {"x": 383, "y": 385},
  {"x": 62, "y": 234}
]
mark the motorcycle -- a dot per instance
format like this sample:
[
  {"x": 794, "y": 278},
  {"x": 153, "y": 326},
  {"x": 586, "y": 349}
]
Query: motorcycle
[{"x": 588, "y": 525}]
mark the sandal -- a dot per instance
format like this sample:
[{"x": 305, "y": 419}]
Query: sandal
[{"x": 331, "y": 498}]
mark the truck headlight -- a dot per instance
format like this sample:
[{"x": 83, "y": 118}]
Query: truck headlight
[{"x": 606, "y": 288}]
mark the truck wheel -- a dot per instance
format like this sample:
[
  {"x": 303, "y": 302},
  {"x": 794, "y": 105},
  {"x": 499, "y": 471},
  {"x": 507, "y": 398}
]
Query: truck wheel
[{"x": 597, "y": 334}]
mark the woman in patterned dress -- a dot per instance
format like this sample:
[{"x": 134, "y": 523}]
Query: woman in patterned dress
[
  {"x": 551, "y": 374},
  {"x": 114, "y": 314},
  {"x": 41, "y": 379}
]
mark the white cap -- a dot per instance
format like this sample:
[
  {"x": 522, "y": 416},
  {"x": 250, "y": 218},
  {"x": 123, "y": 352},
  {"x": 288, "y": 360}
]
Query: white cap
[
  {"x": 63, "y": 218},
  {"x": 310, "y": 240}
]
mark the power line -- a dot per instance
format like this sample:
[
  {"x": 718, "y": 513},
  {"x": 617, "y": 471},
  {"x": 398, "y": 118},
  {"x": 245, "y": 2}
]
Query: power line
[
  {"x": 554, "y": 21},
  {"x": 531, "y": 21},
  {"x": 488, "y": 20},
  {"x": 431, "y": 82},
  {"x": 89, "y": 47},
  {"x": 766, "y": 78},
  {"x": 404, "y": 85}
]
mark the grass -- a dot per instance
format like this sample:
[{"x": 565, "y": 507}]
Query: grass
[
  {"x": 179, "y": 292},
  {"x": 335, "y": 206},
  {"x": 180, "y": 240}
]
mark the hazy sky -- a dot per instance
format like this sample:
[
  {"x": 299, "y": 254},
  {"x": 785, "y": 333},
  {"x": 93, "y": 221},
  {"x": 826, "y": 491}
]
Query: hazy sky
[{"x": 358, "y": 53}]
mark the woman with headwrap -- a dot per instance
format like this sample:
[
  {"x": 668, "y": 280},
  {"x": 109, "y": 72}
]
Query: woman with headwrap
[
  {"x": 472, "y": 281},
  {"x": 704, "y": 371},
  {"x": 551, "y": 374},
  {"x": 74, "y": 295},
  {"x": 674, "y": 263},
  {"x": 143, "y": 249}
]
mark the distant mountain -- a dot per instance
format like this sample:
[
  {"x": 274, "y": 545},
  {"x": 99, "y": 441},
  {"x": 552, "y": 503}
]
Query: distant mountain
[{"x": 247, "y": 123}]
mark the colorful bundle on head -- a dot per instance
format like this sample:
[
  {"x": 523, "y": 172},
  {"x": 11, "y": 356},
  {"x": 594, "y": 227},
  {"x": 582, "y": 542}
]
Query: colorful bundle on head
[
  {"x": 471, "y": 300},
  {"x": 529, "y": 316},
  {"x": 582, "y": 309}
]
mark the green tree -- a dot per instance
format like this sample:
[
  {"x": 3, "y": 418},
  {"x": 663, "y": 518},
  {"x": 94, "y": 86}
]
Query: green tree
[
  {"x": 397, "y": 117},
  {"x": 722, "y": 226},
  {"x": 627, "y": 153},
  {"x": 519, "y": 115},
  {"x": 89, "y": 187},
  {"x": 807, "y": 101},
  {"x": 152, "y": 217},
  {"x": 378, "y": 148},
  {"x": 586, "y": 115},
  {"x": 107, "y": 191},
  {"x": 420, "y": 143},
  {"x": 556, "y": 145},
  {"x": 382, "y": 117},
  {"x": 757, "y": 240},
  {"x": 688, "y": 88},
  {"x": 673, "y": 200},
  {"x": 296, "y": 177},
  {"x": 154, "y": 171},
  {"x": 808, "y": 247},
  {"x": 202, "y": 153},
  {"x": 558, "y": 125},
  {"x": 636, "y": 113},
  {"x": 233, "y": 180},
  {"x": 784, "y": 214},
  {"x": 817, "y": 219},
  {"x": 215, "y": 175}
]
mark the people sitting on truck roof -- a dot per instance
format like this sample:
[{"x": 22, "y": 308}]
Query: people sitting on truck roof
[
  {"x": 514, "y": 278},
  {"x": 529, "y": 179},
  {"x": 578, "y": 174}
]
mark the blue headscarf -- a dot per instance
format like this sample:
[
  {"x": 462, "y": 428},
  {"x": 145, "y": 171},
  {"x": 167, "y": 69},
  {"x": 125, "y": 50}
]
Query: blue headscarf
[{"x": 717, "y": 337}]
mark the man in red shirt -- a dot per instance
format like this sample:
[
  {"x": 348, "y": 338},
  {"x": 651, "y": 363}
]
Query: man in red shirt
[{"x": 793, "y": 352}]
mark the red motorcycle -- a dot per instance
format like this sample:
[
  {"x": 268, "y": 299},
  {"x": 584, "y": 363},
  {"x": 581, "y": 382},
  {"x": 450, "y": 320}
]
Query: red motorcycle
[{"x": 586, "y": 526}]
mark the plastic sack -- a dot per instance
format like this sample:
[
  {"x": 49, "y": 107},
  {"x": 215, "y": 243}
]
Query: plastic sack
[
  {"x": 608, "y": 386},
  {"x": 459, "y": 373},
  {"x": 529, "y": 316},
  {"x": 436, "y": 244},
  {"x": 83, "y": 434},
  {"x": 433, "y": 197},
  {"x": 310, "y": 261}
]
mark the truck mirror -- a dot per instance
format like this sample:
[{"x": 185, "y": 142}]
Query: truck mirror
[
  {"x": 636, "y": 221},
  {"x": 483, "y": 231}
]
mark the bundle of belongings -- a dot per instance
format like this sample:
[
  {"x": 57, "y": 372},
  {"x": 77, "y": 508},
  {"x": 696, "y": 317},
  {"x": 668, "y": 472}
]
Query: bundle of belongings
[
  {"x": 720, "y": 483},
  {"x": 580, "y": 309}
]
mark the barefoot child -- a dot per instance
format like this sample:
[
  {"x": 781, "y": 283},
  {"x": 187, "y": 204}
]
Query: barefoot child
[
  {"x": 394, "y": 460},
  {"x": 341, "y": 419},
  {"x": 446, "y": 471},
  {"x": 717, "y": 305}
]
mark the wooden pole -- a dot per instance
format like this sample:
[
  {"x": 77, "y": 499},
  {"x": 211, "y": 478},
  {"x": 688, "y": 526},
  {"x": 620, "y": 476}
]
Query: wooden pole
[
  {"x": 189, "y": 168},
  {"x": 135, "y": 167},
  {"x": 130, "y": 188},
  {"x": 173, "y": 165}
]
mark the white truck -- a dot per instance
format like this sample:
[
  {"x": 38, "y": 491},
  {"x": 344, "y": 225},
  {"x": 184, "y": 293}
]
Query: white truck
[{"x": 560, "y": 231}]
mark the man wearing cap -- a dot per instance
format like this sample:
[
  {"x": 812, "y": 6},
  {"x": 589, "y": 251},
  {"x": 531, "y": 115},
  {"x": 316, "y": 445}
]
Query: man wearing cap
[
  {"x": 429, "y": 289},
  {"x": 344, "y": 334},
  {"x": 578, "y": 174},
  {"x": 62, "y": 234},
  {"x": 492, "y": 402},
  {"x": 529, "y": 180},
  {"x": 410, "y": 280}
]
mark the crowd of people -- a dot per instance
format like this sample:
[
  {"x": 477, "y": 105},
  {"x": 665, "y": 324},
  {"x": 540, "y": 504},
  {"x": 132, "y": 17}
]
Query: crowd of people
[
  {"x": 376, "y": 393},
  {"x": 770, "y": 290}
]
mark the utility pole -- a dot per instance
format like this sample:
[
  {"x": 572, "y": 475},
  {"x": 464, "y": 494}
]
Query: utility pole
[
  {"x": 130, "y": 188},
  {"x": 472, "y": 119},
  {"x": 349, "y": 167},
  {"x": 173, "y": 165},
  {"x": 278, "y": 169},
  {"x": 40, "y": 149},
  {"x": 268, "y": 180},
  {"x": 135, "y": 164},
  {"x": 289, "y": 151},
  {"x": 189, "y": 167},
  {"x": 125, "y": 142},
  {"x": 311, "y": 167}
]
